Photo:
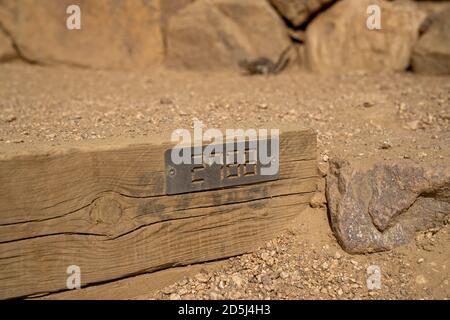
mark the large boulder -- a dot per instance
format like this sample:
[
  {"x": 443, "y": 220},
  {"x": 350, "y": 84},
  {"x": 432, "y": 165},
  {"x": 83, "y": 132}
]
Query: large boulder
[
  {"x": 297, "y": 12},
  {"x": 168, "y": 9},
  {"x": 433, "y": 6},
  {"x": 114, "y": 34},
  {"x": 216, "y": 34},
  {"x": 431, "y": 54},
  {"x": 6, "y": 47},
  {"x": 338, "y": 40},
  {"x": 378, "y": 206}
]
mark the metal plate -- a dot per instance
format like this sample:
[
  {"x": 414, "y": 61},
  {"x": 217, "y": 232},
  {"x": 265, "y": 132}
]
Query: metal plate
[{"x": 207, "y": 174}]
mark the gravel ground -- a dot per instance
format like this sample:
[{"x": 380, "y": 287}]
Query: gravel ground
[
  {"x": 390, "y": 114},
  {"x": 294, "y": 267}
]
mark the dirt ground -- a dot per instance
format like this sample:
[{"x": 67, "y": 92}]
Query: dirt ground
[{"x": 368, "y": 117}]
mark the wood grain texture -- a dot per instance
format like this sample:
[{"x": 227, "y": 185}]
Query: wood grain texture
[{"x": 104, "y": 208}]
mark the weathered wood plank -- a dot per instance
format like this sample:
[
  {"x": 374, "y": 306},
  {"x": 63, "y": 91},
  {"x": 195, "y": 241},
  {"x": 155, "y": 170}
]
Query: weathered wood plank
[{"x": 104, "y": 209}]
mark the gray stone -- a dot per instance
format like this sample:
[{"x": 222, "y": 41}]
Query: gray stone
[{"x": 376, "y": 207}]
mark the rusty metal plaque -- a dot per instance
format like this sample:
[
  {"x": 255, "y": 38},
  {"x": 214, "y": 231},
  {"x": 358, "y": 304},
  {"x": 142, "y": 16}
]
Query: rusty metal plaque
[{"x": 220, "y": 166}]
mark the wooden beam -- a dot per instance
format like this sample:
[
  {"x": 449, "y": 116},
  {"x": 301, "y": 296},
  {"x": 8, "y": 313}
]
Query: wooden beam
[{"x": 104, "y": 209}]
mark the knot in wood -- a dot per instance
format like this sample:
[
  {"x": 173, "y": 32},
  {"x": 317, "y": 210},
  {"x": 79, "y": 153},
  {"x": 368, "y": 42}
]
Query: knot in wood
[{"x": 106, "y": 210}]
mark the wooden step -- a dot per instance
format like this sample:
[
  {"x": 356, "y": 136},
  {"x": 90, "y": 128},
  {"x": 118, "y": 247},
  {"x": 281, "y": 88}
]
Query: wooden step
[{"x": 104, "y": 207}]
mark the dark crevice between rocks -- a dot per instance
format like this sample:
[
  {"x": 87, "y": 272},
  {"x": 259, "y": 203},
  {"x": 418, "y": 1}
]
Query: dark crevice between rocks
[
  {"x": 305, "y": 24},
  {"x": 441, "y": 194},
  {"x": 18, "y": 53},
  {"x": 285, "y": 20},
  {"x": 324, "y": 8},
  {"x": 288, "y": 24},
  {"x": 302, "y": 27}
]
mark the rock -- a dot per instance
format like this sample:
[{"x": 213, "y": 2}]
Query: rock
[
  {"x": 266, "y": 280},
  {"x": 237, "y": 280},
  {"x": 368, "y": 104},
  {"x": 222, "y": 284},
  {"x": 213, "y": 295},
  {"x": 299, "y": 11},
  {"x": 10, "y": 118},
  {"x": 169, "y": 9},
  {"x": 431, "y": 7},
  {"x": 7, "y": 51},
  {"x": 169, "y": 290},
  {"x": 265, "y": 256},
  {"x": 224, "y": 32},
  {"x": 376, "y": 207},
  {"x": 420, "y": 279},
  {"x": 201, "y": 277},
  {"x": 413, "y": 125},
  {"x": 165, "y": 100},
  {"x": 431, "y": 54},
  {"x": 338, "y": 39},
  {"x": 183, "y": 291},
  {"x": 323, "y": 169},
  {"x": 318, "y": 200},
  {"x": 386, "y": 145},
  {"x": 262, "y": 106},
  {"x": 113, "y": 34},
  {"x": 174, "y": 296}
]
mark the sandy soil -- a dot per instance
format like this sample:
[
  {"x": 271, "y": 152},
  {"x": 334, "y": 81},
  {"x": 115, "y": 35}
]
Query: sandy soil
[{"x": 373, "y": 117}]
